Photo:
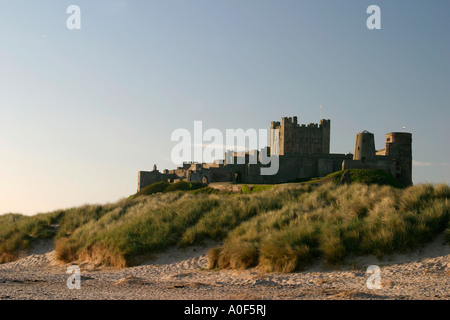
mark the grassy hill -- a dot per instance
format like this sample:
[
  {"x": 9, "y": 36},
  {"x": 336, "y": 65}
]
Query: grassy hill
[
  {"x": 163, "y": 187},
  {"x": 364, "y": 176},
  {"x": 280, "y": 228}
]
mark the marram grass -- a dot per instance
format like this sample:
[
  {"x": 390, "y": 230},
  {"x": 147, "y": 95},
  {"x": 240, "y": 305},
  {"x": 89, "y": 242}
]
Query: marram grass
[{"x": 279, "y": 229}]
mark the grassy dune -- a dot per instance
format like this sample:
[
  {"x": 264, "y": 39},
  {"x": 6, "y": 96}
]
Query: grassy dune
[
  {"x": 282, "y": 228},
  {"x": 332, "y": 221},
  {"x": 18, "y": 232}
]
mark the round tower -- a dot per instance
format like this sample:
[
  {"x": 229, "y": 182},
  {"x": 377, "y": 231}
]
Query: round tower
[{"x": 364, "y": 146}]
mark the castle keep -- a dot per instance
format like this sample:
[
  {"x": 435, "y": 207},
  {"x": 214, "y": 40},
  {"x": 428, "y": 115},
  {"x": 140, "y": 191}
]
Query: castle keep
[
  {"x": 303, "y": 152},
  {"x": 294, "y": 138}
]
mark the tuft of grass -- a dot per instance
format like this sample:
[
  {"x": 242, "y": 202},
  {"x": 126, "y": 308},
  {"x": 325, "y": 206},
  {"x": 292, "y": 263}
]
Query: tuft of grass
[
  {"x": 283, "y": 257},
  {"x": 244, "y": 255}
]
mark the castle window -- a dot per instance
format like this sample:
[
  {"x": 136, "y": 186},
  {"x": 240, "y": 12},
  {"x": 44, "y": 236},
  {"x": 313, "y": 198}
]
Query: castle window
[{"x": 388, "y": 139}]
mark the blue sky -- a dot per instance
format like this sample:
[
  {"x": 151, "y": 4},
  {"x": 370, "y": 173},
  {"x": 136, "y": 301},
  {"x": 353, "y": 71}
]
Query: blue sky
[{"x": 82, "y": 111}]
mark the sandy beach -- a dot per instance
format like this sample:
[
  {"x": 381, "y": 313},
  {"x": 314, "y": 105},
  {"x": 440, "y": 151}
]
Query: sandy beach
[{"x": 182, "y": 274}]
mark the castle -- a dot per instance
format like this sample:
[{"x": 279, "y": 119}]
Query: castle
[{"x": 303, "y": 152}]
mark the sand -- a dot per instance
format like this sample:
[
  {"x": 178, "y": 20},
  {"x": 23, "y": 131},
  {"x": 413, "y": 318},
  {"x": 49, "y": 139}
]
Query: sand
[{"x": 179, "y": 274}]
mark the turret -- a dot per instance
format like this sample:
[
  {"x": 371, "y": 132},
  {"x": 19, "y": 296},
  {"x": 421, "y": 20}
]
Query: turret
[{"x": 364, "y": 146}]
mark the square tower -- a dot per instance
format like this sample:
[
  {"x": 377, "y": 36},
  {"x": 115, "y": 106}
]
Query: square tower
[
  {"x": 289, "y": 137},
  {"x": 398, "y": 146}
]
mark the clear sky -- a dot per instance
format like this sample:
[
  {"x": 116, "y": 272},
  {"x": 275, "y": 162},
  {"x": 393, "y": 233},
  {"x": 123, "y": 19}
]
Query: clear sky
[{"x": 82, "y": 111}]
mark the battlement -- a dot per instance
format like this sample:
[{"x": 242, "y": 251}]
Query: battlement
[
  {"x": 289, "y": 121},
  {"x": 275, "y": 124},
  {"x": 324, "y": 123}
]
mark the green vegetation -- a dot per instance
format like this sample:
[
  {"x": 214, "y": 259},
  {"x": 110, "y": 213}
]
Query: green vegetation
[
  {"x": 256, "y": 188},
  {"x": 168, "y": 187},
  {"x": 364, "y": 176},
  {"x": 283, "y": 228},
  {"x": 205, "y": 190}
]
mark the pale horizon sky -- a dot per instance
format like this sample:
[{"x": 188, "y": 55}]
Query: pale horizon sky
[{"x": 82, "y": 111}]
